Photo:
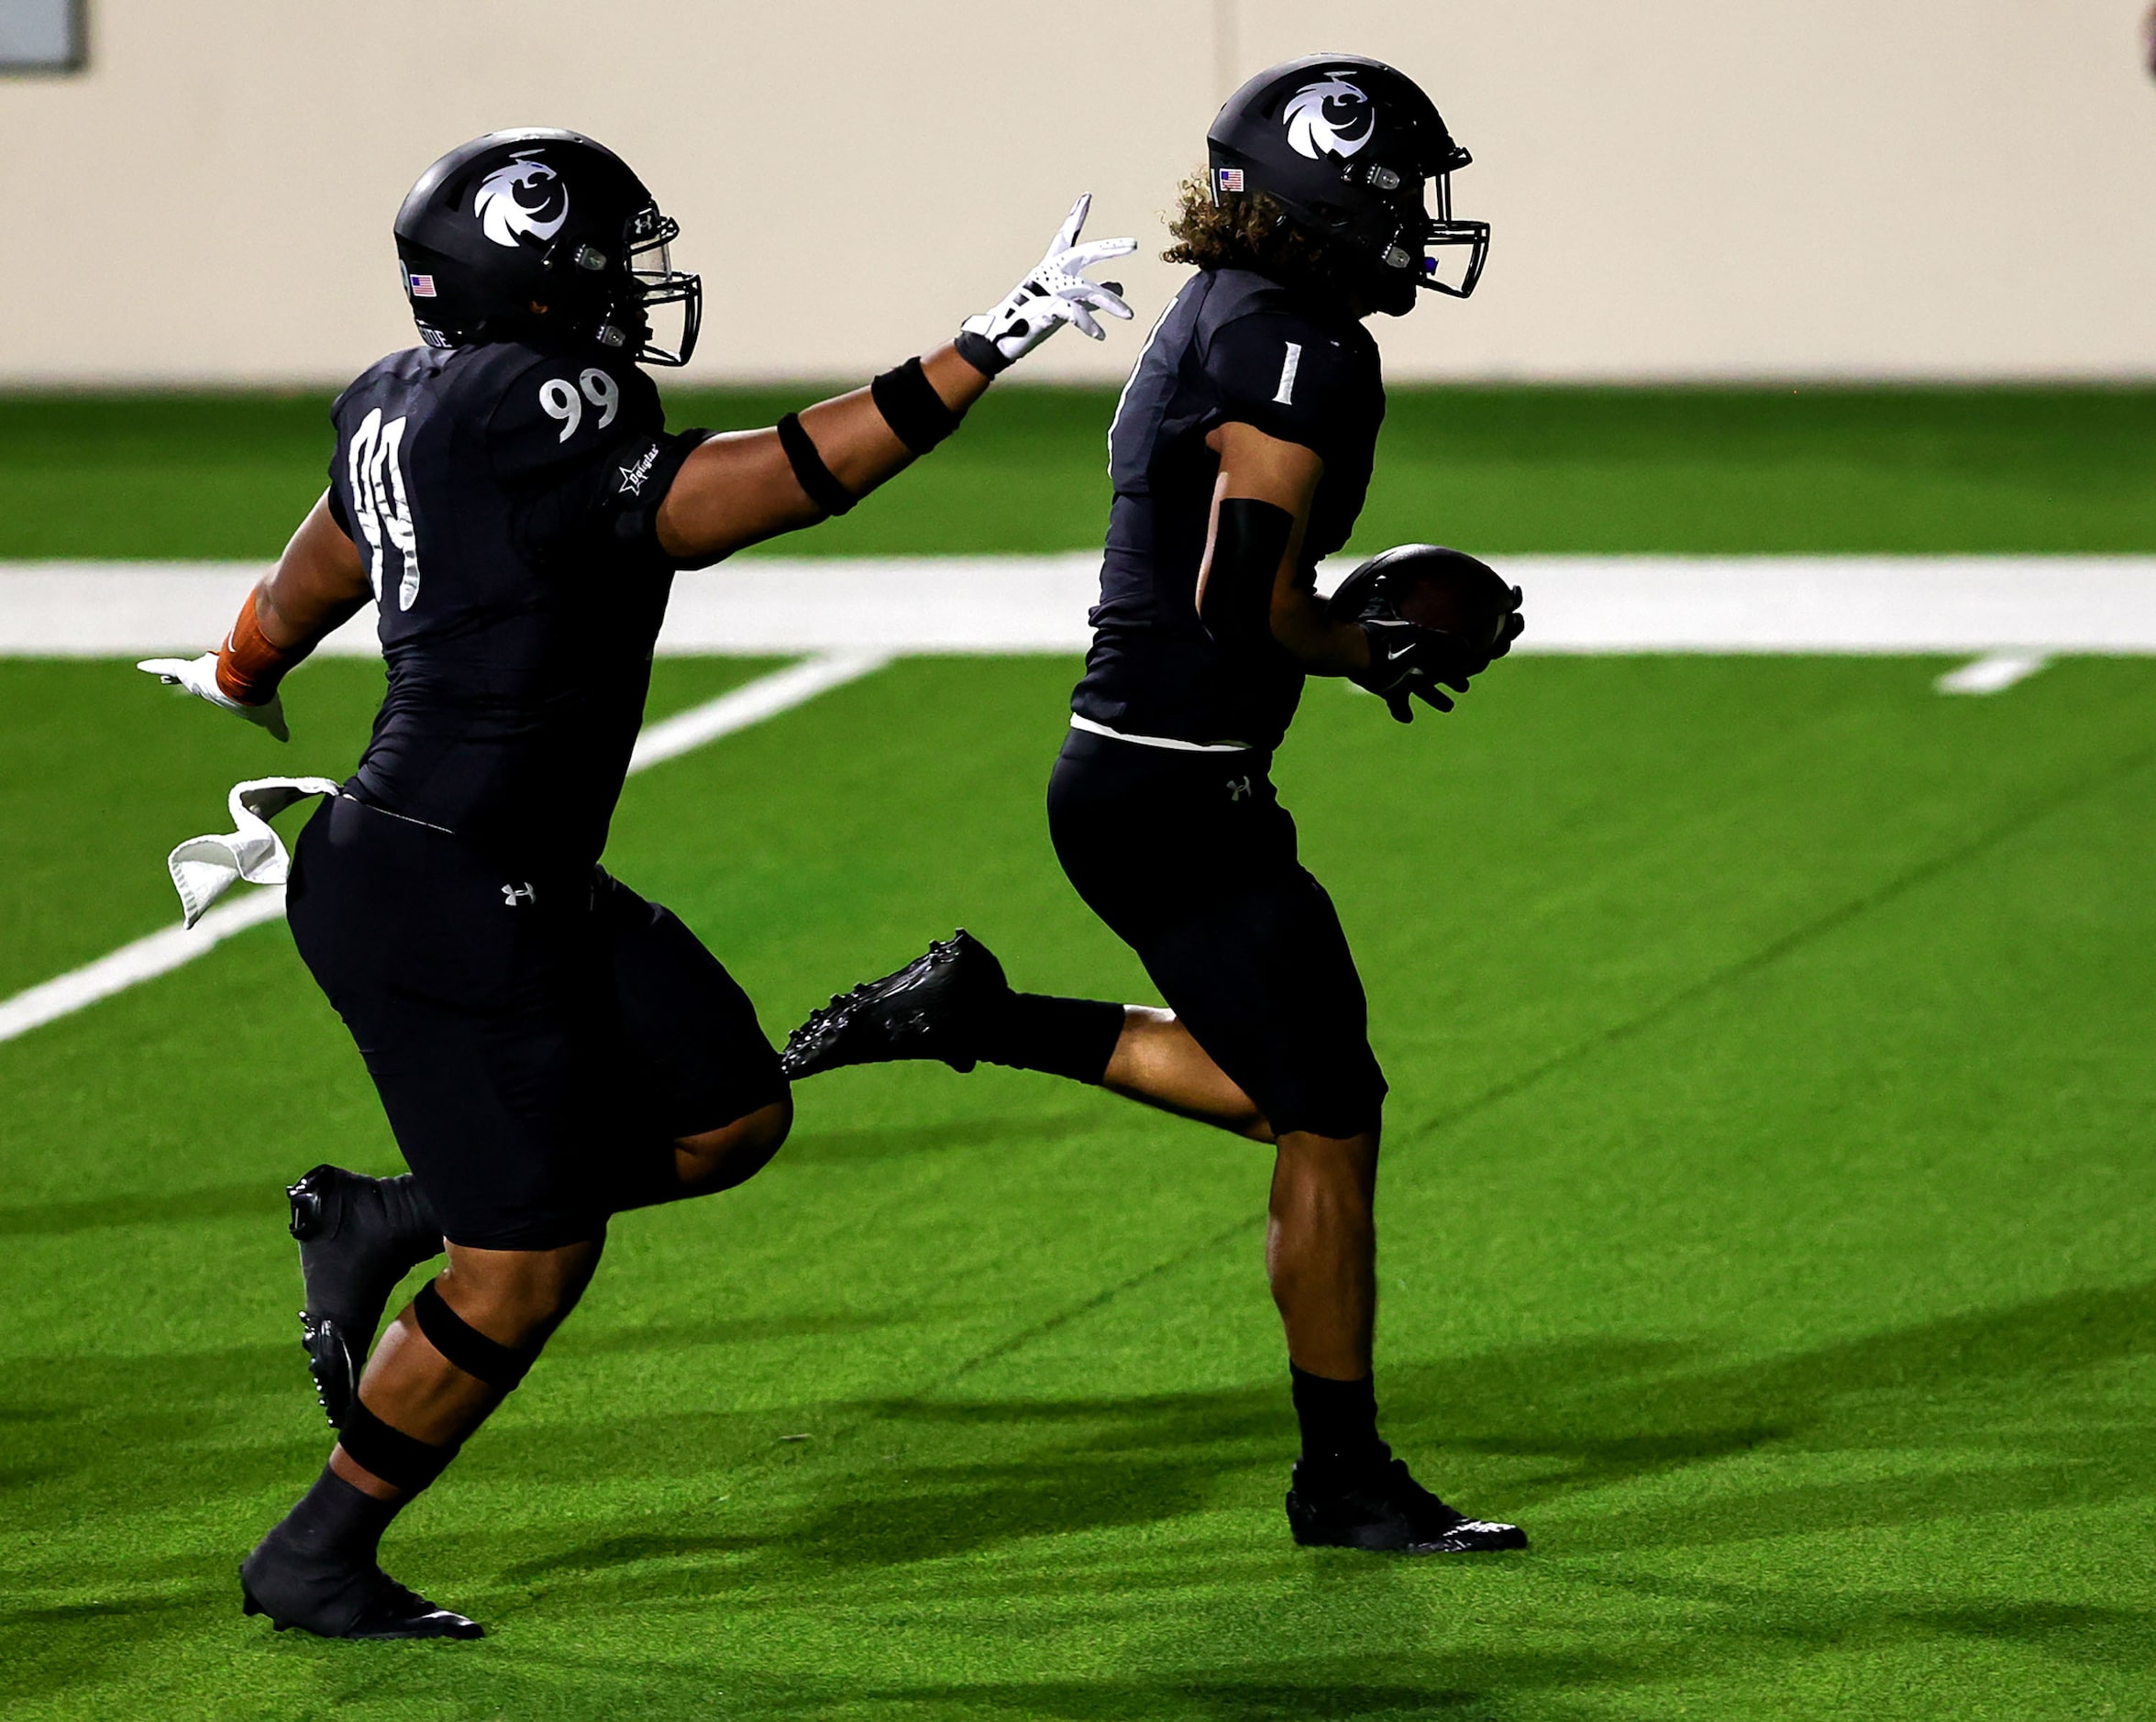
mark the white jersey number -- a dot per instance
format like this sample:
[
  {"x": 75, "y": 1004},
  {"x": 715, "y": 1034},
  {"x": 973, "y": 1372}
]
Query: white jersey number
[
  {"x": 376, "y": 467},
  {"x": 565, "y": 405}
]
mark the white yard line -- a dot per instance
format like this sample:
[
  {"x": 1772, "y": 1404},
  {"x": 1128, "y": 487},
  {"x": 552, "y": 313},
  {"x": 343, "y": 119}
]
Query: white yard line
[
  {"x": 764, "y": 698},
  {"x": 855, "y": 613},
  {"x": 161, "y": 952},
  {"x": 1914, "y": 604},
  {"x": 1995, "y": 672},
  {"x": 145, "y": 959}
]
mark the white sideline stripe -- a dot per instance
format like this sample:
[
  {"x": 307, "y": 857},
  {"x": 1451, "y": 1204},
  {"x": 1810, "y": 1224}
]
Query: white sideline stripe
[
  {"x": 1957, "y": 605},
  {"x": 161, "y": 952},
  {"x": 1993, "y": 673},
  {"x": 763, "y": 697},
  {"x": 143, "y": 960}
]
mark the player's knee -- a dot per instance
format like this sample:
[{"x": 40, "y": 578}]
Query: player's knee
[
  {"x": 515, "y": 1297},
  {"x": 735, "y": 1152},
  {"x": 763, "y": 1132},
  {"x": 1254, "y": 1124},
  {"x": 1343, "y": 1162}
]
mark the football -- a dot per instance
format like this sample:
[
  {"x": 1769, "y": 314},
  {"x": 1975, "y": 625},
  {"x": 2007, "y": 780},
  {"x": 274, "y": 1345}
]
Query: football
[{"x": 1434, "y": 587}]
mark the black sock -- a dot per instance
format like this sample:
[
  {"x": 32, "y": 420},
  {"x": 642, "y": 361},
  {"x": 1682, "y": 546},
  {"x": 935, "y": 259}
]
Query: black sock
[
  {"x": 412, "y": 1215},
  {"x": 1064, "y": 1037},
  {"x": 1339, "y": 1419},
  {"x": 336, "y": 1524}
]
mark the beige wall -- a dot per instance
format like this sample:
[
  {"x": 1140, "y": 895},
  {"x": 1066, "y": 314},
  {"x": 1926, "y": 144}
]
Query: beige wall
[{"x": 1678, "y": 187}]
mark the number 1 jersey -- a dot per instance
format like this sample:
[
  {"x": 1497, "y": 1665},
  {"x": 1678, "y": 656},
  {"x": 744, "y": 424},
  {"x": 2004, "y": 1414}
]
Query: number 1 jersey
[
  {"x": 504, "y": 498},
  {"x": 1232, "y": 346}
]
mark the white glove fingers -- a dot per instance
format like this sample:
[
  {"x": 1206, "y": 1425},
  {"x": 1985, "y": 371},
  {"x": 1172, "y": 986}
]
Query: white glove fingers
[
  {"x": 1067, "y": 235},
  {"x": 1077, "y": 258},
  {"x": 1056, "y": 292},
  {"x": 199, "y": 676},
  {"x": 1104, "y": 299},
  {"x": 270, "y": 716}
]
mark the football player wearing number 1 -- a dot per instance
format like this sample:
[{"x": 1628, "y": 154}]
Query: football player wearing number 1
[
  {"x": 1240, "y": 455},
  {"x": 551, "y": 1049}
]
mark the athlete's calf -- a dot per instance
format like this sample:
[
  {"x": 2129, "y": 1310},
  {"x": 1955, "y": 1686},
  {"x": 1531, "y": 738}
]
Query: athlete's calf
[{"x": 454, "y": 1353}]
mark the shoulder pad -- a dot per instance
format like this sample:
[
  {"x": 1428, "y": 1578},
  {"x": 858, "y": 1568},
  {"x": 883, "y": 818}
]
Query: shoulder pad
[
  {"x": 552, "y": 410},
  {"x": 389, "y": 365},
  {"x": 1294, "y": 378}
]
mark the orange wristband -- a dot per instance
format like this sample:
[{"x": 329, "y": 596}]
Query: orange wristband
[{"x": 250, "y": 664}]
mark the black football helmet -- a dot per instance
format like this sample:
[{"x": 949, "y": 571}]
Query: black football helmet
[
  {"x": 1358, "y": 157},
  {"x": 540, "y": 217}
]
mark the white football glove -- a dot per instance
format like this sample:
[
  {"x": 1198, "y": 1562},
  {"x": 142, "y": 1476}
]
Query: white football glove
[
  {"x": 199, "y": 676},
  {"x": 1055, "y": 292}
]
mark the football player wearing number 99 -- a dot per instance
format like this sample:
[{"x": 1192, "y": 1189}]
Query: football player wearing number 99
[
  {"x": 551, "y": 1049},
  {"x": 1240, "y": 455}
]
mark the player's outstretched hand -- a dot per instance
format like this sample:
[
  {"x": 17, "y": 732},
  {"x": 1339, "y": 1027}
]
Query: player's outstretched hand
[
  {"x": 1055, "y": 292},
  {"x": 199, "y": 676}
]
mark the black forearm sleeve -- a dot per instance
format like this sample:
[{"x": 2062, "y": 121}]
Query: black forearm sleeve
[
  {"x": 911, "y": 406},
  {"x": 1249, "y": 539}
]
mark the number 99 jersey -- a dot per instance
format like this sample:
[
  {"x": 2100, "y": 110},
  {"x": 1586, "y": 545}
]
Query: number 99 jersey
[{"x": 504, "y": 497}]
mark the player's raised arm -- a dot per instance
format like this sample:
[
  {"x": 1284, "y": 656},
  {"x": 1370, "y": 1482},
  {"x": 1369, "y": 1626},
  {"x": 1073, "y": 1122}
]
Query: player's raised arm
[
  {"x": 318, "y": 583},
  {"x": 745, "y": 486}
]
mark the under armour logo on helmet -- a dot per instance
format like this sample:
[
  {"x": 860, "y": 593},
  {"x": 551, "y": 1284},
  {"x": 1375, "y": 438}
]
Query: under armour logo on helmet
[
  {"x": 1312, "y": 132},
  {"x": 505, "y": 217}
]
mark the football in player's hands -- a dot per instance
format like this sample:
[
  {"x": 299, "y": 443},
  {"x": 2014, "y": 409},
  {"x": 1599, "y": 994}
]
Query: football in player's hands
[
  {"x": 1437, "y": 588},
  {"x": 1433, "y": 617}
]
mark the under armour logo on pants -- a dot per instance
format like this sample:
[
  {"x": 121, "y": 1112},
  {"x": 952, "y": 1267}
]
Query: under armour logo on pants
[
  {"x": 1238, "y": 787},
  {"x": 513, "y": 895}
]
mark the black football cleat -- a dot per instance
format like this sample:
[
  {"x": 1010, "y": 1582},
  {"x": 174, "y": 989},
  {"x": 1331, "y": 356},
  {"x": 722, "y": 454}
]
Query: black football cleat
[
  {"x": 358, "y": 1237},
  {"x": 933, "y": 1008},
  {"x": 367, "y": 1605},
  {"x": 1383, "y": 1507}
]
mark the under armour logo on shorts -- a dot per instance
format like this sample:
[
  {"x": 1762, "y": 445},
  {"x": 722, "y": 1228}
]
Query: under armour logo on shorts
[
  {"x": 1238, "y": 787},
  {"x": 513, "y": 895}
]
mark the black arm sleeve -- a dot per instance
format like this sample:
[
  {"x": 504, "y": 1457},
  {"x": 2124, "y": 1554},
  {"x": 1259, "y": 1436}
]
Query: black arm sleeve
[{"x": 1249, "y": 539}]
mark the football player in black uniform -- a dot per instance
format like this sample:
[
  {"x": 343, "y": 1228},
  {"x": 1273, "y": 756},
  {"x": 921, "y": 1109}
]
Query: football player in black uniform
[
  {"x": 1240, "y": 455},
  {"x": 551, "y": 1049}
]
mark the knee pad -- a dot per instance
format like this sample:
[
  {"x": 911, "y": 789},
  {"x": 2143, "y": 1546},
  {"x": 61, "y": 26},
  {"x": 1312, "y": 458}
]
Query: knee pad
[{"x": 498, "y": 1366}]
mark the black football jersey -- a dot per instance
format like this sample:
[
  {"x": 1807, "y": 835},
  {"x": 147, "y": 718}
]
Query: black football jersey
[
  {"x": 502, "y": 497},
  {"x": 1233, "y": 346}
]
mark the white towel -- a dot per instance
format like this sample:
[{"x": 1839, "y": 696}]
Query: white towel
[{"x": 205, "y": 869}]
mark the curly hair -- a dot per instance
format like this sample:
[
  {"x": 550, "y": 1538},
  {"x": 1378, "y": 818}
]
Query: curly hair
[{"x": 1253, "y": 232}]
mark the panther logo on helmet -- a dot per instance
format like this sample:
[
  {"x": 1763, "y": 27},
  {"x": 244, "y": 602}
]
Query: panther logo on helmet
[
  {"x": 1312, "y": 132},
  {"x": 503, "y": 214}
]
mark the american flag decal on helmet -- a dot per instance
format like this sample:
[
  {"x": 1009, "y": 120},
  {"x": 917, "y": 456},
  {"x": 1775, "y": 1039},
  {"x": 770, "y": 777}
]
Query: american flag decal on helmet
[
  {"x": 422, "y": 286},
  {"x": 1231, "y": 179}
]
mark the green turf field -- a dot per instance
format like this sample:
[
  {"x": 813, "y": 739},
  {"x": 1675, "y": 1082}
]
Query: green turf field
[
  {"x": 1518, "y": 469},
  {"x": 1769, "y": 1217}
]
